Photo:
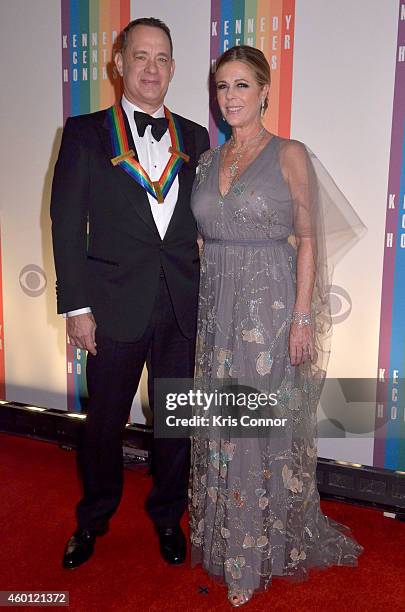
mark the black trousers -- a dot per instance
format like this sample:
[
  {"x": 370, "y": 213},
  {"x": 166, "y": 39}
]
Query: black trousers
[{"x": 112, "y": 378}]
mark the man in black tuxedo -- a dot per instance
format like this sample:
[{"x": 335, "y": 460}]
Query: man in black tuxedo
[{"x": 129, "y": 290}]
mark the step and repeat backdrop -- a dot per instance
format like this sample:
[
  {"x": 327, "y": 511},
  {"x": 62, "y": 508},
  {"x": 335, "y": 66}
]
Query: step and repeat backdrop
[{"x": 338, "y": 84}]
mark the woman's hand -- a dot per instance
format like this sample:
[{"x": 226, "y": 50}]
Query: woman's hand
[
  {"x": 302, "y": 347},
  {"x": 200, "y": 243}
]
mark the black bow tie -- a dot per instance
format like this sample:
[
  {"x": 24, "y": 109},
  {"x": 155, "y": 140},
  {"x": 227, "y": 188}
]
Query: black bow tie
[{"x": 159, "y": 126}]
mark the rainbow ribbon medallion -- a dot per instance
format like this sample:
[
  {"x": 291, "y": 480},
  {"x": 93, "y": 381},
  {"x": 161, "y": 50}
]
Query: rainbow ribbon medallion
[{"x": 125, "y": 157}]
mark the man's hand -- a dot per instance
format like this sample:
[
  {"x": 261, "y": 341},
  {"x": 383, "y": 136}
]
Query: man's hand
[{"x": 81, "y": 330}]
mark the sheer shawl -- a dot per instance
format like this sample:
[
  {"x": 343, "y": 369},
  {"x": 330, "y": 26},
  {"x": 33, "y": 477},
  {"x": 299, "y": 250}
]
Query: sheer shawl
[{"x": 323, "y": 215}]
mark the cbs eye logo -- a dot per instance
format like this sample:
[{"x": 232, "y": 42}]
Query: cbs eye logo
[
  {"x": 32, "y": 280},
  {"x": 340, "y": 304}
]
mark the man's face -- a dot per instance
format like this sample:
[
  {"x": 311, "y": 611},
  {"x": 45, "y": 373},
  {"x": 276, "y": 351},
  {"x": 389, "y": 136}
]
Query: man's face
[{"x": 146, "y": 67}]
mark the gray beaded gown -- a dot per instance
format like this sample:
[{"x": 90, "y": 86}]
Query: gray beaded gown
[{"x": 254, "y": 504}]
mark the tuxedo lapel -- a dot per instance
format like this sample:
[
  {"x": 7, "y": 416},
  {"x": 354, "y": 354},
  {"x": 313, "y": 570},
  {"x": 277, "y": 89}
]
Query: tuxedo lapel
[
  {"x": 186, "y": 178},
  {"x": 128, "y": 186},
  {"x": 136, "y": 194}
]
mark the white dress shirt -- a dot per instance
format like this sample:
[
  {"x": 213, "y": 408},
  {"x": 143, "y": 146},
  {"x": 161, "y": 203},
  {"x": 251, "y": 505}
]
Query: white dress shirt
[{"x": 153, "y": 157}]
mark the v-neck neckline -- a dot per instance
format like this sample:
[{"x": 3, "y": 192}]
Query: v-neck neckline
[{"x": 232, "y": 185}]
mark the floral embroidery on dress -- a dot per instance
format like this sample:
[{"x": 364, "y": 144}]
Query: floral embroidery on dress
[
  {"x": 291, "y": 482},
  {"x": 253, "y": 335},
  {"x": 238, "y": 189},
  {"x": 278, "y": 524},
  {"x": 204, "y": 163},
  {"x": 248, "y": 541},
  {"x": 296, "y": 556},
  {"x": 234, "y": 566},
  {"x": 225, "y": 360},
  {"x": 264, "y": 363},
  {"x": 262, "y": 218}
]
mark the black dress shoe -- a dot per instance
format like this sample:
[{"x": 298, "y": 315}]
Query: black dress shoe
[
  {"x": 173, "y": 547},
  {"x": 80, "y": 547}
]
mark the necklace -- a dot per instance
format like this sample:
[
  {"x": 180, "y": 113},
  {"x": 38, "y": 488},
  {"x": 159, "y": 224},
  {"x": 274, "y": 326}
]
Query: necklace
[{"x": 234, "y": 166}]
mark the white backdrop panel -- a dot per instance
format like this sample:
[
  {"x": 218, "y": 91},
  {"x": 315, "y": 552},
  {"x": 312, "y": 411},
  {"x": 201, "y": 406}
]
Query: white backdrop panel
[
  {"x": 343, "y": 84},
  {"x": 344, "y": 65},
  {"x": 31, "y": 111}
]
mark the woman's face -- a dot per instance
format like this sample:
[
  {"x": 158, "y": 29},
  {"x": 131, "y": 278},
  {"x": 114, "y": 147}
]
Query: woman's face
[{"x": 239, "y": 96}]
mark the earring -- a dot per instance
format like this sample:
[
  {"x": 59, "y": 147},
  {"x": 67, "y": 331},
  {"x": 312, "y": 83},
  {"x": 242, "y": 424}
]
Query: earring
[{"x": 262, "y": 109}]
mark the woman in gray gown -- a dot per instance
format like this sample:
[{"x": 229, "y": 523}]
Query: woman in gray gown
[{"x": 272, "y": 221}]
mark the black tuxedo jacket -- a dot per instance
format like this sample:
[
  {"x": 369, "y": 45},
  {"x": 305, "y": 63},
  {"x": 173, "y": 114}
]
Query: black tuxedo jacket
[{"x": 115, "y": 269}]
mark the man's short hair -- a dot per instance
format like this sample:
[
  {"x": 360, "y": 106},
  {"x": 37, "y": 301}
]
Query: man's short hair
[{"x": 151, "y": 22}]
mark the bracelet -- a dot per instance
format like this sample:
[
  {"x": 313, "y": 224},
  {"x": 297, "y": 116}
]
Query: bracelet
[{"x": 302, "y": 318}]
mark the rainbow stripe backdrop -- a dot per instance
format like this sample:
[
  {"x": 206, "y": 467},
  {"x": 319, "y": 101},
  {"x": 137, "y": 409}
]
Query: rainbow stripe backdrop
[
  {"x": 2, "y": 363},
  {"x": 269, "y": 26},
  {"x": 389, "y": 447},
  {"x": 89, "y": 28}
]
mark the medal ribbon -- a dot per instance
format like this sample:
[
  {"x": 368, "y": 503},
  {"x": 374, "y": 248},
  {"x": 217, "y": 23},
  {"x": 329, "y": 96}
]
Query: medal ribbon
[{"x": 125, "y": 157}]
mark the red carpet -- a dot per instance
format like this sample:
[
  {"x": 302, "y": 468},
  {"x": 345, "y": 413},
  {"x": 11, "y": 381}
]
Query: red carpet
[{"x": 39, "y": 490}]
